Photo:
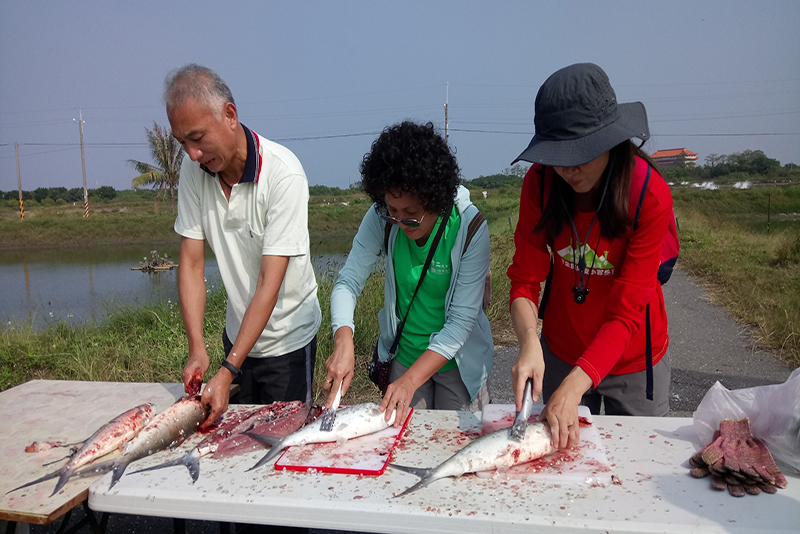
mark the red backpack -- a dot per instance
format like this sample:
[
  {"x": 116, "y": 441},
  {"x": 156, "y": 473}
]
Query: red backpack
[{"x": 670, "y": 248}]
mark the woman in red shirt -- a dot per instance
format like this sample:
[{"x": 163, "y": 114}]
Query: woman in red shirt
[{"x": 576, "y": 202}]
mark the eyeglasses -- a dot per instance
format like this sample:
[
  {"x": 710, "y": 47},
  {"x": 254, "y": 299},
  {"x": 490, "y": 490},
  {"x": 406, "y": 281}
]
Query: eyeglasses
[{"x": 411, "y": 223}]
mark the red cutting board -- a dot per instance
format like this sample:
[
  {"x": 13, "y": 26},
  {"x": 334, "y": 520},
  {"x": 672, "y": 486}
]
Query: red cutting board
[
  {"x": 367, "y": 455},
  {"x": 586, "y": 463}
]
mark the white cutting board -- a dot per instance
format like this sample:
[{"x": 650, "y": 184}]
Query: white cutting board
[
  {"x": 585, "y": 463},
  {"x": 367, "y": 455}
]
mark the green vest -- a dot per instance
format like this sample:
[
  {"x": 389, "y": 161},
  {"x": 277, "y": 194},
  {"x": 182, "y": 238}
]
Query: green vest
[{"x": 428, "y": 314}]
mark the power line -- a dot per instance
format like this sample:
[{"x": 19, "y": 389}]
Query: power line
[{"x": 652, "y": 135}]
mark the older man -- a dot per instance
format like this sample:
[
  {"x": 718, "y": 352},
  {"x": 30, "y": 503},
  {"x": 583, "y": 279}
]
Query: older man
[{"x": 248, "y": 198}]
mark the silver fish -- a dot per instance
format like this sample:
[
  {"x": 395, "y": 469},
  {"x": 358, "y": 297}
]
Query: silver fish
[
  {"x": 496, "y": 450},
  {"x": 112, "y": 435},
  {"x": 168, "y": 429},
  {"x": 233, "y": 424},
  {"x": 351, "y": 422}
]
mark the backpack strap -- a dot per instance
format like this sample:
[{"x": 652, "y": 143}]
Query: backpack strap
[
  {"x": 544, "y": 191},
  {"x": 472, "y": 229},
  {"x": 387, "y": 229},
  {"x": 648, "y": 342},
  {"x": 641, "y": 197}
]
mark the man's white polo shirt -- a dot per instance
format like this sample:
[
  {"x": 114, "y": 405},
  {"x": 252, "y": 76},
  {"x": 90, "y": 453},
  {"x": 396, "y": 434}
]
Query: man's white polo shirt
[{"x": 267, "y": 215}]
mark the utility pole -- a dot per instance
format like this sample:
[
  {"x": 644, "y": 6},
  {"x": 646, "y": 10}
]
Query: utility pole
[
  {"x": 19, "y": 181},
  {"x": 83, "y": 166},
  {"x": 446, "y": 118}
]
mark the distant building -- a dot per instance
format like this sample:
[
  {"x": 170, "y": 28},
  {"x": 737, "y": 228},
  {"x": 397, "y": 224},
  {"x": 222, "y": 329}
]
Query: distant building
[{"x": 675, "y": 157}]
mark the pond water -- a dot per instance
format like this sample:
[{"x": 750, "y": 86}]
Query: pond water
[{"x": 83, "y": 284}]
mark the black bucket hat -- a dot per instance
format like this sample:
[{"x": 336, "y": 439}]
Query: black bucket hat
[{"x": 577, "y": 118}]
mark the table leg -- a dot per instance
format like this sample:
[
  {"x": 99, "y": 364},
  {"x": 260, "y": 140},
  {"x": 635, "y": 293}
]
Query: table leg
[
  {"x": 17, "y": 528},
  {"x": 179, "y": 525}
]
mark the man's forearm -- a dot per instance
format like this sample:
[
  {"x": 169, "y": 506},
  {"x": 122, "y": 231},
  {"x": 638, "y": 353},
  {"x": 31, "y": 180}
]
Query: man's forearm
[
  {"x": 192, "y": 295},
  {"x": 273, "y": 270}
]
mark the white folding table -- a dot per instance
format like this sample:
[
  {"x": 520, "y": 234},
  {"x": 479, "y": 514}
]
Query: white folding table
[{"x": 648, "y": 456}]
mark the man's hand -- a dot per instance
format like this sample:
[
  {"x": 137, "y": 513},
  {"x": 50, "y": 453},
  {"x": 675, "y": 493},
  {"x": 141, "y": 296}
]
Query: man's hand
[
  {"x": 340, "y": 365},
  {"x": 215, "y": 395},
  {"x": 192, "y": 375}
]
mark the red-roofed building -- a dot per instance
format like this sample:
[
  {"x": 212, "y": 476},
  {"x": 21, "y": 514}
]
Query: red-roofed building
[{"x": 675, "y": 157}]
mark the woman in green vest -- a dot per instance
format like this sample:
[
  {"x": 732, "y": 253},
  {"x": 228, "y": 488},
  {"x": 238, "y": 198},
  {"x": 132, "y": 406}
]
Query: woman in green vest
[{"x": 435, "y": 342}]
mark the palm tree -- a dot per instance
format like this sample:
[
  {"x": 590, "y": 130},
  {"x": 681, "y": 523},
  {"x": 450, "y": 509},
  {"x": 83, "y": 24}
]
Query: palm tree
[{"x": 168, "y": 155}]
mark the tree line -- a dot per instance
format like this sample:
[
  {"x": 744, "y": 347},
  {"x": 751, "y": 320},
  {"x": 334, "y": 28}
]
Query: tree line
[{"x": 746, "y": 165}]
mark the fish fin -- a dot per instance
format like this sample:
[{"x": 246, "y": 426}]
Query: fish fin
[
  {"x": 273, "y": 453},
  {"x": 190, "y": 460},
  {"x": 119, "y": 469},
  {"x": 341, "y": 427},
  {"x": 421, "y": 484},
  {"x": 269, "y": 440},
  {"x": 62, "y": 479},
  {"x": 421, "y": 472},
  {"x": 48, "y": 476},
  {"x": 98, "y": 469},
  {"x": 192, "y": 463},
  {"x": 426, "y": 476}
]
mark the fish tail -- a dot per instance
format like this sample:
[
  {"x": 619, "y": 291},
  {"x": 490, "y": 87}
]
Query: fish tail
[
  {"x": 426, "y": 475},
  {"x": 269, "y": 440},
  {"x": 48, "y": 476},
  {"x": 277, "y": 448},
  {"x": 190, "y": 460},
  {"x": 62, "y": 479},
  {"x": 97, "y": 469},
  {"x": 119, "y": 469}
]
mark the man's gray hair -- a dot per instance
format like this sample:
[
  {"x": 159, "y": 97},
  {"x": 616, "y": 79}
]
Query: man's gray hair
[{"x": 198, "y": 82}]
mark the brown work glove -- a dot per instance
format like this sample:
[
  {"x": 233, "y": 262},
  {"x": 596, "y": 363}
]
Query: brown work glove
[{"x": 738, "y": 461}]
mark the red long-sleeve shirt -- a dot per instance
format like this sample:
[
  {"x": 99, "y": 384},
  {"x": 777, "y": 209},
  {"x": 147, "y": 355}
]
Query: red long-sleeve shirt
[{"x": 604, "y": 335}]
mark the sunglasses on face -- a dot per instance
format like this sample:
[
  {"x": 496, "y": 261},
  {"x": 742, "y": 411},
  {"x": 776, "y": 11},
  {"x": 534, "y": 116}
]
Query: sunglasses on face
[{"x": 411, "y": 223}]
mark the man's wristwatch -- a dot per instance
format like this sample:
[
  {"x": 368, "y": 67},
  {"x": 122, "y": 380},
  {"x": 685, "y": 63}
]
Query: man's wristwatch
[{"x": 235, "y": 371}]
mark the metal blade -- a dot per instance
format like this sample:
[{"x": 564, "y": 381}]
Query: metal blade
[
  {"x": 521, "y": 421},
  {"x": 329, "y": 416}
]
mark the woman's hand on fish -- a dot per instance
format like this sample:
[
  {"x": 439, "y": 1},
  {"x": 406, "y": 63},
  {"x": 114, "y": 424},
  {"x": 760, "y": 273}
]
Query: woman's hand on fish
[
  {"x": 529, "y": 364},
  {"x": 340, "y": 366},
  {"x": 398, "y": 399},
  {"x": 215, "y": 395},
  {"x": 561, "y": 411},
  {"x": 193, "y": 371}
]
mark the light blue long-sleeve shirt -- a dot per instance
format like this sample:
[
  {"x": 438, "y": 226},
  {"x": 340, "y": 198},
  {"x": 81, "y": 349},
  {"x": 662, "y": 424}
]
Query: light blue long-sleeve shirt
[{"x": 466, "y": 334}]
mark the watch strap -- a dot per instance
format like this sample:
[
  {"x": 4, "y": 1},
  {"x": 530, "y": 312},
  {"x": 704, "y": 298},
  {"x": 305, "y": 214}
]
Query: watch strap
[{"x": 235, "y": 371}]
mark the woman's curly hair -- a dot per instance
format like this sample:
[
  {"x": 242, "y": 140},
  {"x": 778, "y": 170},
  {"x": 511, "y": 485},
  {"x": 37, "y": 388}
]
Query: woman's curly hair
[{"x": 414, "y": 159}]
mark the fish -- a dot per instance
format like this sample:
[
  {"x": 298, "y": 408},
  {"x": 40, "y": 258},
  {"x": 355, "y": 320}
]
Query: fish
[
  {"x": 113, "y": 435},
  {"x": 233, "y": 424},
  {"x": 170, "y": 428},
  {"x": 496, "y": 450},
  {"x": 351, "y": 422},
  {"x": 284, "y": 418}
]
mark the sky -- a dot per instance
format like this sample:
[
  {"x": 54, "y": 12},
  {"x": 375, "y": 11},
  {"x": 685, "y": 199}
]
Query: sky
[{"x": 324, "y": 78}]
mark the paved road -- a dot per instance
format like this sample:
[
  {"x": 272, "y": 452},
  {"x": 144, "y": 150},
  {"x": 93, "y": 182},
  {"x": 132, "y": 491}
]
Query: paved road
[{"x": 706, "y": 345}]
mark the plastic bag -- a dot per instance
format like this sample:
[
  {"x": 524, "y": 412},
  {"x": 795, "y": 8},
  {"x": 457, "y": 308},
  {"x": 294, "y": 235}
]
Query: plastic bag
[{"x": 774, "y": 413}]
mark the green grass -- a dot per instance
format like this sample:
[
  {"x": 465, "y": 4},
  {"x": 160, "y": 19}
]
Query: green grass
[
  {"x": 755, "y": 274},
  {"x": 148, "y": 344}
]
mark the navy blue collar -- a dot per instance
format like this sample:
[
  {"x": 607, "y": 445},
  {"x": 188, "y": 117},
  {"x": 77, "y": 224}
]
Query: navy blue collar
[{"x": 251, "y": 164}]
